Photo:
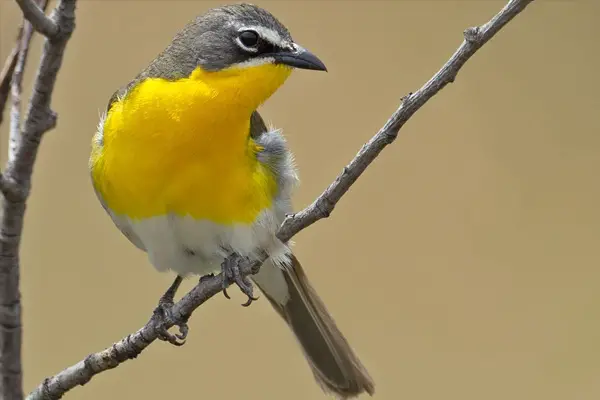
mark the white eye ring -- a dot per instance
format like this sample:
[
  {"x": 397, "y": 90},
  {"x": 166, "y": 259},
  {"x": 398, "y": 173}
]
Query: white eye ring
[{"x": 245, "y": 47}]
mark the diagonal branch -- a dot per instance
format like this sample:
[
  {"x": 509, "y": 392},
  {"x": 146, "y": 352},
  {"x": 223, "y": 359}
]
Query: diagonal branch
[
  {"x": 132, "y": 345},
  {"x": 475, "y": 37},
  {"x": 35, "y": 14}
]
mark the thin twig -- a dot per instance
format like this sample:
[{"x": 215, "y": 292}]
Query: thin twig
[
  {"x": 16, "y": 89},
  {"x": 17, "y": 82},
  {"x": 38, "y": 18},
  {"x": 11, "y": 79},
  {"x": 475, "y": 37},
  {"x": 16, "y": 182},
  {"x": 7, "y": 73},
  {"x": 132, "y": 345}
]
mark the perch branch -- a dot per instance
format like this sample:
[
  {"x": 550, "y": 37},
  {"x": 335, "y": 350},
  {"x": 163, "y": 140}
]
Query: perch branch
[
  {"x": 16, "y": 180},
  {"x": 37, "y": 17},
  {"x": 132, "y": 345}
]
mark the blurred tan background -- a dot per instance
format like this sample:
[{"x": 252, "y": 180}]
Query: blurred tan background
[{"x": 463, "y": 265}]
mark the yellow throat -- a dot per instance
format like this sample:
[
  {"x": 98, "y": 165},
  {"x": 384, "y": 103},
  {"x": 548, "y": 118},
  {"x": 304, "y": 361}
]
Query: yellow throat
[{"x": 183, "y": 147}]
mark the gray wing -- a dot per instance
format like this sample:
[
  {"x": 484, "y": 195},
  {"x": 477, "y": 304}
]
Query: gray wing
[{"x": 257, "y": 125}]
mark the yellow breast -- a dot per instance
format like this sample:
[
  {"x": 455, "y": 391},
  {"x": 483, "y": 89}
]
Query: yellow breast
[{"x": 183, "y": 147}]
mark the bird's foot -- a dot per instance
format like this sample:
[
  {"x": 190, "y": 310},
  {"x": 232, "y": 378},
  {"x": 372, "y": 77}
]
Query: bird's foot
[
  {"x": 231, "y": 274},
  {"x": 163, "y": 315}
]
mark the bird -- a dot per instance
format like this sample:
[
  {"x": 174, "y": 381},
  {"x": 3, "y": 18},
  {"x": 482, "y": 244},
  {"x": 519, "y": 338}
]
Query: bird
[{"x": 190, "y": 173}]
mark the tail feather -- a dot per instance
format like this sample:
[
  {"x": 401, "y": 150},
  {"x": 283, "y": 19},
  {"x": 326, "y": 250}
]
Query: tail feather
[{"x": 335, "y": 366}]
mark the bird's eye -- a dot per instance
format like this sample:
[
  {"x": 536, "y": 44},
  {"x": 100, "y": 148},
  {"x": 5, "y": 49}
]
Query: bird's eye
[{"x": 249, "y": 38}]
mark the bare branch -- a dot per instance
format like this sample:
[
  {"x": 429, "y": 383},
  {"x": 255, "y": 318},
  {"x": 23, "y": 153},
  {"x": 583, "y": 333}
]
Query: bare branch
[
  {"x": 132, "y": 345},
  {"x": 15, "y": 184},
  {"x": 34, "y": 14},
  {"x": 11, "y": 79},
  {"x": 7, "y": 73},
  {"x": 16, "y": 88},
  {"x": 474, "y": 38}
]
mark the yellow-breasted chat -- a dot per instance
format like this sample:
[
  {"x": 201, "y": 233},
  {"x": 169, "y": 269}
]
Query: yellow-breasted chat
[{"x": 187, "y": 170}]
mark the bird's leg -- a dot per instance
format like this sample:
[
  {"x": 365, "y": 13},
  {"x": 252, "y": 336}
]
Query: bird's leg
[
  {"x": 169, "y": 296},
  {"x": 230, "y": 267},
  {"x": 163, "y": 312}
]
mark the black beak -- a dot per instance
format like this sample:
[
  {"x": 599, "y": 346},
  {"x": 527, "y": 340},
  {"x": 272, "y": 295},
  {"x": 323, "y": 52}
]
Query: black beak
[{"x": 299, "y": 58}]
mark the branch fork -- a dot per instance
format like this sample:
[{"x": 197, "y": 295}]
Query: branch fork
[{"x": 41, "y": 22}]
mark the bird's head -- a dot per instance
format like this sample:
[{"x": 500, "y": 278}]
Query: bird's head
[
  {"x": 243, "y": 47},
  {"x": 244, "y": 35}
]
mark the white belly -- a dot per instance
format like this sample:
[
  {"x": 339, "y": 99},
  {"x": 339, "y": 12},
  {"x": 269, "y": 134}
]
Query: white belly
[
  {"x": 188, "y": 246},
  {"x": 198, "y": 247}
]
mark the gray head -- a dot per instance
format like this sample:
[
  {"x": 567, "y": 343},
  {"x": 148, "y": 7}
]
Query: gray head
[{"x": 229, "y": 36}]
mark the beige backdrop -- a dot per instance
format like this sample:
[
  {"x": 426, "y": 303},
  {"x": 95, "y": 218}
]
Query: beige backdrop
[{"x": 463, "y": 265}]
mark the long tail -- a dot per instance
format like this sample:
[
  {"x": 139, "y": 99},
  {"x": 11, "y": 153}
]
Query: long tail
[{"x": 335, "y": 366}]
